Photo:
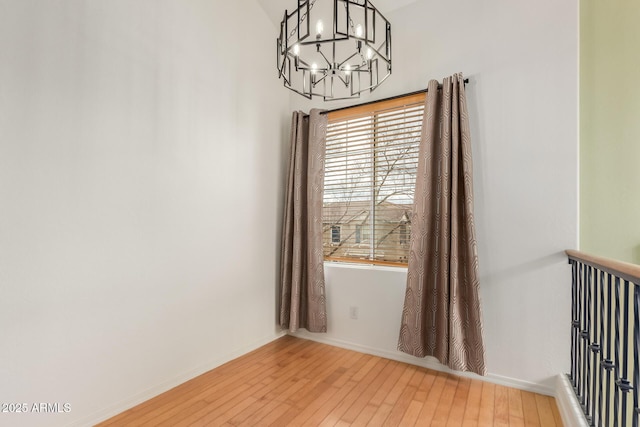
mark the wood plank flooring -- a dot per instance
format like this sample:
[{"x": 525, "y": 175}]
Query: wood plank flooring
[{"x": 295, "y": 382}]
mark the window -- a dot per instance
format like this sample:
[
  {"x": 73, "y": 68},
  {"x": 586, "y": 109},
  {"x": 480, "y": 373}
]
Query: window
[
  {"x": 335, "y": 234},
  {"x": 404, "y": 235},
  {"x": 370, "y": 173}
]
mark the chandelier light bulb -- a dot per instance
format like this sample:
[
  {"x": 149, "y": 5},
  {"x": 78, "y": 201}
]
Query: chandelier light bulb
[
  {"x": 314, "y": 68},
  {"x": 347, "y": 75},
  {"x": 296, "y": 49},
  {"x": 369, "y": 53},
  {"x": 359, "y": 30},
  {"x": 319, "y": 27}
]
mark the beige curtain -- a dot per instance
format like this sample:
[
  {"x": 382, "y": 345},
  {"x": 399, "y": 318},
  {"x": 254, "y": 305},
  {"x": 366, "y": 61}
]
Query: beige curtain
[
  {"x": 302, "y": 294},
  {"x": 441, "y": 315}
]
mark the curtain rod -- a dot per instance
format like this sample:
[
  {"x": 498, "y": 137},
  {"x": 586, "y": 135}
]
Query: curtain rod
[{"x": 465, "y": 81}]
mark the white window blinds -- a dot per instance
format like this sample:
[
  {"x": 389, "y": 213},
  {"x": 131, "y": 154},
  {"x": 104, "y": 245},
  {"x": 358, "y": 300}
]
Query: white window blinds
[{"x": 370, "y": 173}]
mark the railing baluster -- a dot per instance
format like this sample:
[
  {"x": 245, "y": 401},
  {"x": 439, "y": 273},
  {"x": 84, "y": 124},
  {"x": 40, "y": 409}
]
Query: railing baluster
[
  {"x": 580, "y": 367},
  {"x": 574, "y": 322},
  {"x": 602, "y": 344},
  {"x": 636, "y": 343},
  {"x": 608, "y": 363},
  {"x": 586, "y": 336},
  {"x": 623, "y": 384},
  {"x": 616, "y": 353},
  {"x": 595, "y": 346}
]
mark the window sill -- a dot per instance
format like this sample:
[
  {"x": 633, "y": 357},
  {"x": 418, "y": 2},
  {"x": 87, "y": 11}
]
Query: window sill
[{"x": 364, "y": 266}]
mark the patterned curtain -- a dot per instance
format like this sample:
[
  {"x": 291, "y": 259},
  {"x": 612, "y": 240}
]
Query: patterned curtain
[
  {"x": 441, "y": 315},
  {"x": 302, "y": 302}
]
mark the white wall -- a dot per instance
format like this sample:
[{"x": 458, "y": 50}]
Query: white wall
[
  {"x": 521, "y": 58},
  {"x": 141, "y": 167}
]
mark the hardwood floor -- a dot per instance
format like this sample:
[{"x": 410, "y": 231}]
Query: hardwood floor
[{"x": 298, "y": 382}]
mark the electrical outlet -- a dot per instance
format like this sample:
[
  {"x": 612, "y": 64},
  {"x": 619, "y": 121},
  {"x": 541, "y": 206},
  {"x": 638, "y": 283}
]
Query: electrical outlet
[{"x": 353, "y": 312}]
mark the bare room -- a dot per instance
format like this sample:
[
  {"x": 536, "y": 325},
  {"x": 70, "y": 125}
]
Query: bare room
[{"x": 166, "y": 260}]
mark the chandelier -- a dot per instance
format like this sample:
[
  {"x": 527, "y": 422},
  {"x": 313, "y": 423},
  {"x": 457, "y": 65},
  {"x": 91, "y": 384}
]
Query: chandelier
[{"x": 335, "y": 49}]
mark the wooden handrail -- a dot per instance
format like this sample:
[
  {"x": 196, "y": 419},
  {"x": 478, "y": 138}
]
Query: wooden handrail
[{"x": 624, "y": 270}]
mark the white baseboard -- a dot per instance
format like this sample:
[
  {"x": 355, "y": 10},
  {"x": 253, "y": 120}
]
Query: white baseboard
[
  {"x": 151, "y": 392},
  {"x": 429, "y": 363},
  {"x": 568, "y": 404}
]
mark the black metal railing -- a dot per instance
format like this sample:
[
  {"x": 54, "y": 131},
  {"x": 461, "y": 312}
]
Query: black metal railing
[{"x": 605, "y": 339}]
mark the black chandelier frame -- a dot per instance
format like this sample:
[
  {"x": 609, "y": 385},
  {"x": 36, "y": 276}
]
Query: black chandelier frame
[{"x": 363, "y": 70}]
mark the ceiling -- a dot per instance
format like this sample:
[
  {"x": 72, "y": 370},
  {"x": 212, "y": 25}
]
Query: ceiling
[{"x": 275, "y": 8}]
